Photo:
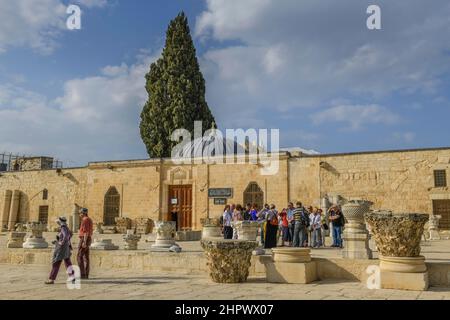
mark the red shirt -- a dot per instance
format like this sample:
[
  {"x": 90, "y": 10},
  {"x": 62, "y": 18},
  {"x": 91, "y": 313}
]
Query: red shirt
[
  {"x": 86, "y": 227},
  {"x": 285, "y": 222}
]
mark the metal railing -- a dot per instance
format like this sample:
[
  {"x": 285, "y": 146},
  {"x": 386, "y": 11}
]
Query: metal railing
[{"x": 14, "y": 162}]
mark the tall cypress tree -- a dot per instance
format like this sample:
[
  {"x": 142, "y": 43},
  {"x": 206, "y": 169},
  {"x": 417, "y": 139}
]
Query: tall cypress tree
[{"x": 176, "y": 90}]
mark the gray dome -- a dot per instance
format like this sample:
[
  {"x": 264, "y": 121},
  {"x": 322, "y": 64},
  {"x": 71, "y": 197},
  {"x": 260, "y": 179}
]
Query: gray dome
[{"x": 212, "y": 145}]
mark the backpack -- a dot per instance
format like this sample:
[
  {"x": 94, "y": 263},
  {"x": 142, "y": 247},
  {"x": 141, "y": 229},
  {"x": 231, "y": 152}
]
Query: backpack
[
  {"x": 305, "y": 218},
  {"x": 221, "y": 220},
  {"x": 342, "y": 219},
  {"x": 274, "y": 220}
]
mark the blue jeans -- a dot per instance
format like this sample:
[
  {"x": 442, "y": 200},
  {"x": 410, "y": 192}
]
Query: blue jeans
[
  {"x": 316, "y": 240},
  {"x": 299, "y": 234},
  {"x": 337, "y": 240}
]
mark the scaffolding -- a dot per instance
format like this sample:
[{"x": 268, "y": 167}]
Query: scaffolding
[{"x": 13, "y": 162}]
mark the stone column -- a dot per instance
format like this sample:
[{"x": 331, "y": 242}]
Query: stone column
[
  {"x": 75, "y": 219},
  {"x": 103, "y": 244},
  {"x": 291, "y": 265},
  {"x": 36, "y": 240},
  {"x": 165, "y": 236},
  {"x": 14, "y": 211},
  {"x": 5, "y": 212},
  {"x": 15, "y": 240},
  {"x": 356, "y": 236},
  {"x": 247, "y": 230},
  {"x": 123, "y": 224},
  {"x": 228, "y": 260},
  {"x": 211, "y": 228},
  {"x": 398, "y": 241},
  {"x": 131, "y": 240}
]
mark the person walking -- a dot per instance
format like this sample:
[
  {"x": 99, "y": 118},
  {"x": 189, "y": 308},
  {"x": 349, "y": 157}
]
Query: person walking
[
  {"x": 62, "y": 252},
  {"x": 85, "y": 235},
  {"x": 227, "y": 219},
  {"x": 271, "y": 228},
  {"x": 337, "y": 219}
]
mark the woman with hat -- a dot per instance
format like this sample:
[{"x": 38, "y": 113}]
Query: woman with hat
[{"x": 63, "y": 250}]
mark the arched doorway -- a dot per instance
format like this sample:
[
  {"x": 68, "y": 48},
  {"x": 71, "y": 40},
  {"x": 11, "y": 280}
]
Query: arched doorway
[
  {"x": 254, "y": 194},
  {"x": 111, "y": 208}
]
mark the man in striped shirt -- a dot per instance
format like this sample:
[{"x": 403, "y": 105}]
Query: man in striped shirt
[{"x": 300, "y": 224}]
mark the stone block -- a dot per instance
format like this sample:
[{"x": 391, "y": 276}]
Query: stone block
[
  {"x": 404, "y": 281},
  {"x": 103, "y": 244},
  {"x": 188, "y": 235},
  {"x": 356, "y": 246},
  {"x": 285, "y": 272}
]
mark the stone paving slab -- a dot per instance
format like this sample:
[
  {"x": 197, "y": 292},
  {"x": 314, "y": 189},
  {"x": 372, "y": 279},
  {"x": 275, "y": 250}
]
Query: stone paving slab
[{"x": 27, "y": 282}]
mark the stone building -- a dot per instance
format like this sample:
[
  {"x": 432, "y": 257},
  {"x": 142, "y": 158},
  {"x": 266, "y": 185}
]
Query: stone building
[{"x": 402, "y": 181}]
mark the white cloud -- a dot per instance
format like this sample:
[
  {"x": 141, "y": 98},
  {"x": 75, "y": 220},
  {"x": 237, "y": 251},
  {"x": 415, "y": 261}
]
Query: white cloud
[
  {"x": 292, "y": 56},
  {"x": 96, "y": 118},
  {"x": 93, "y": 3},
  {"x": 36, "y": 24},
  {"x": 355, "y": 117}
]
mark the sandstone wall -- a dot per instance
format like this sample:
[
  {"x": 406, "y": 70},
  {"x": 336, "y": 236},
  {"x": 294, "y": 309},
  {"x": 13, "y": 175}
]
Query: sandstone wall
[
  {"x": 401, "y": 181},
  {"x": 64, "y": 190}
]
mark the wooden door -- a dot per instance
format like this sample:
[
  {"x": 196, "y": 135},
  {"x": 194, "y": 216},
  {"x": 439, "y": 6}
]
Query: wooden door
[
  {"x": 180, "y": 202},
  {"x": 442, "y": 208}
]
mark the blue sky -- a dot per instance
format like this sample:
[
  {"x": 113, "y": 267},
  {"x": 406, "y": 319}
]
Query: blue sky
[{"x": 310, "y": 68}]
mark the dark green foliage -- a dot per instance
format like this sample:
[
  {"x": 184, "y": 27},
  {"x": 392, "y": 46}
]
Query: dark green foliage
[{"x": 176, "y": 90}]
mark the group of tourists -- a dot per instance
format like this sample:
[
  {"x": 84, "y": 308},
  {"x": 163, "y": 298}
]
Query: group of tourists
[
  {"x": 63, "y": 247},
  {"x": 295, "y": 226}
]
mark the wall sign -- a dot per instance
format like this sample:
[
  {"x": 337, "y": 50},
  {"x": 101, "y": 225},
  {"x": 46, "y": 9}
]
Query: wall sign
[
  {"x": 220, "y": 201},
  {"x": 174, "y": 201},
  {"x": 220, "y": 193}
]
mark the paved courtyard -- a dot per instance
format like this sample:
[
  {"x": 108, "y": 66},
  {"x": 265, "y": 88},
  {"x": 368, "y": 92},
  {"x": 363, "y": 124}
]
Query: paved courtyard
[{"x": 27, "y": 282}]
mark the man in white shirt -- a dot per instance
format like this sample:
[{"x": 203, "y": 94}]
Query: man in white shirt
[
  {"x": 316, "y": 226},
  {"x": 227, "y": 219}
]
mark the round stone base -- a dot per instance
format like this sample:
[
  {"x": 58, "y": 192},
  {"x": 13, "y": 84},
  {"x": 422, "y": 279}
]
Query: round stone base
[
  {"x": 163, "y": 244},
  {"x": 104, "y": 244},
  {"x": 291, "y": 255},
  {"x": 403, "y": 264},
  {"x": 15, "y": 239},
  {"x": 259, "y": 251},
  {"x": 35, "y": 243}
]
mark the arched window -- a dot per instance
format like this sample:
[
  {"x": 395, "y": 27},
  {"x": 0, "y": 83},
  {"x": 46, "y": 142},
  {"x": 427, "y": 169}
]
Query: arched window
[
  {"x": 254, "y": 194},
  {"x": 111, "y": 207}
]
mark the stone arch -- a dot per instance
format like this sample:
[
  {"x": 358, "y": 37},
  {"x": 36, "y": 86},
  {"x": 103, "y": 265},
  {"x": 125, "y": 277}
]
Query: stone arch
[
  {"x": 111, "y": 206},
  {"x": 254, "y": 194}
]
